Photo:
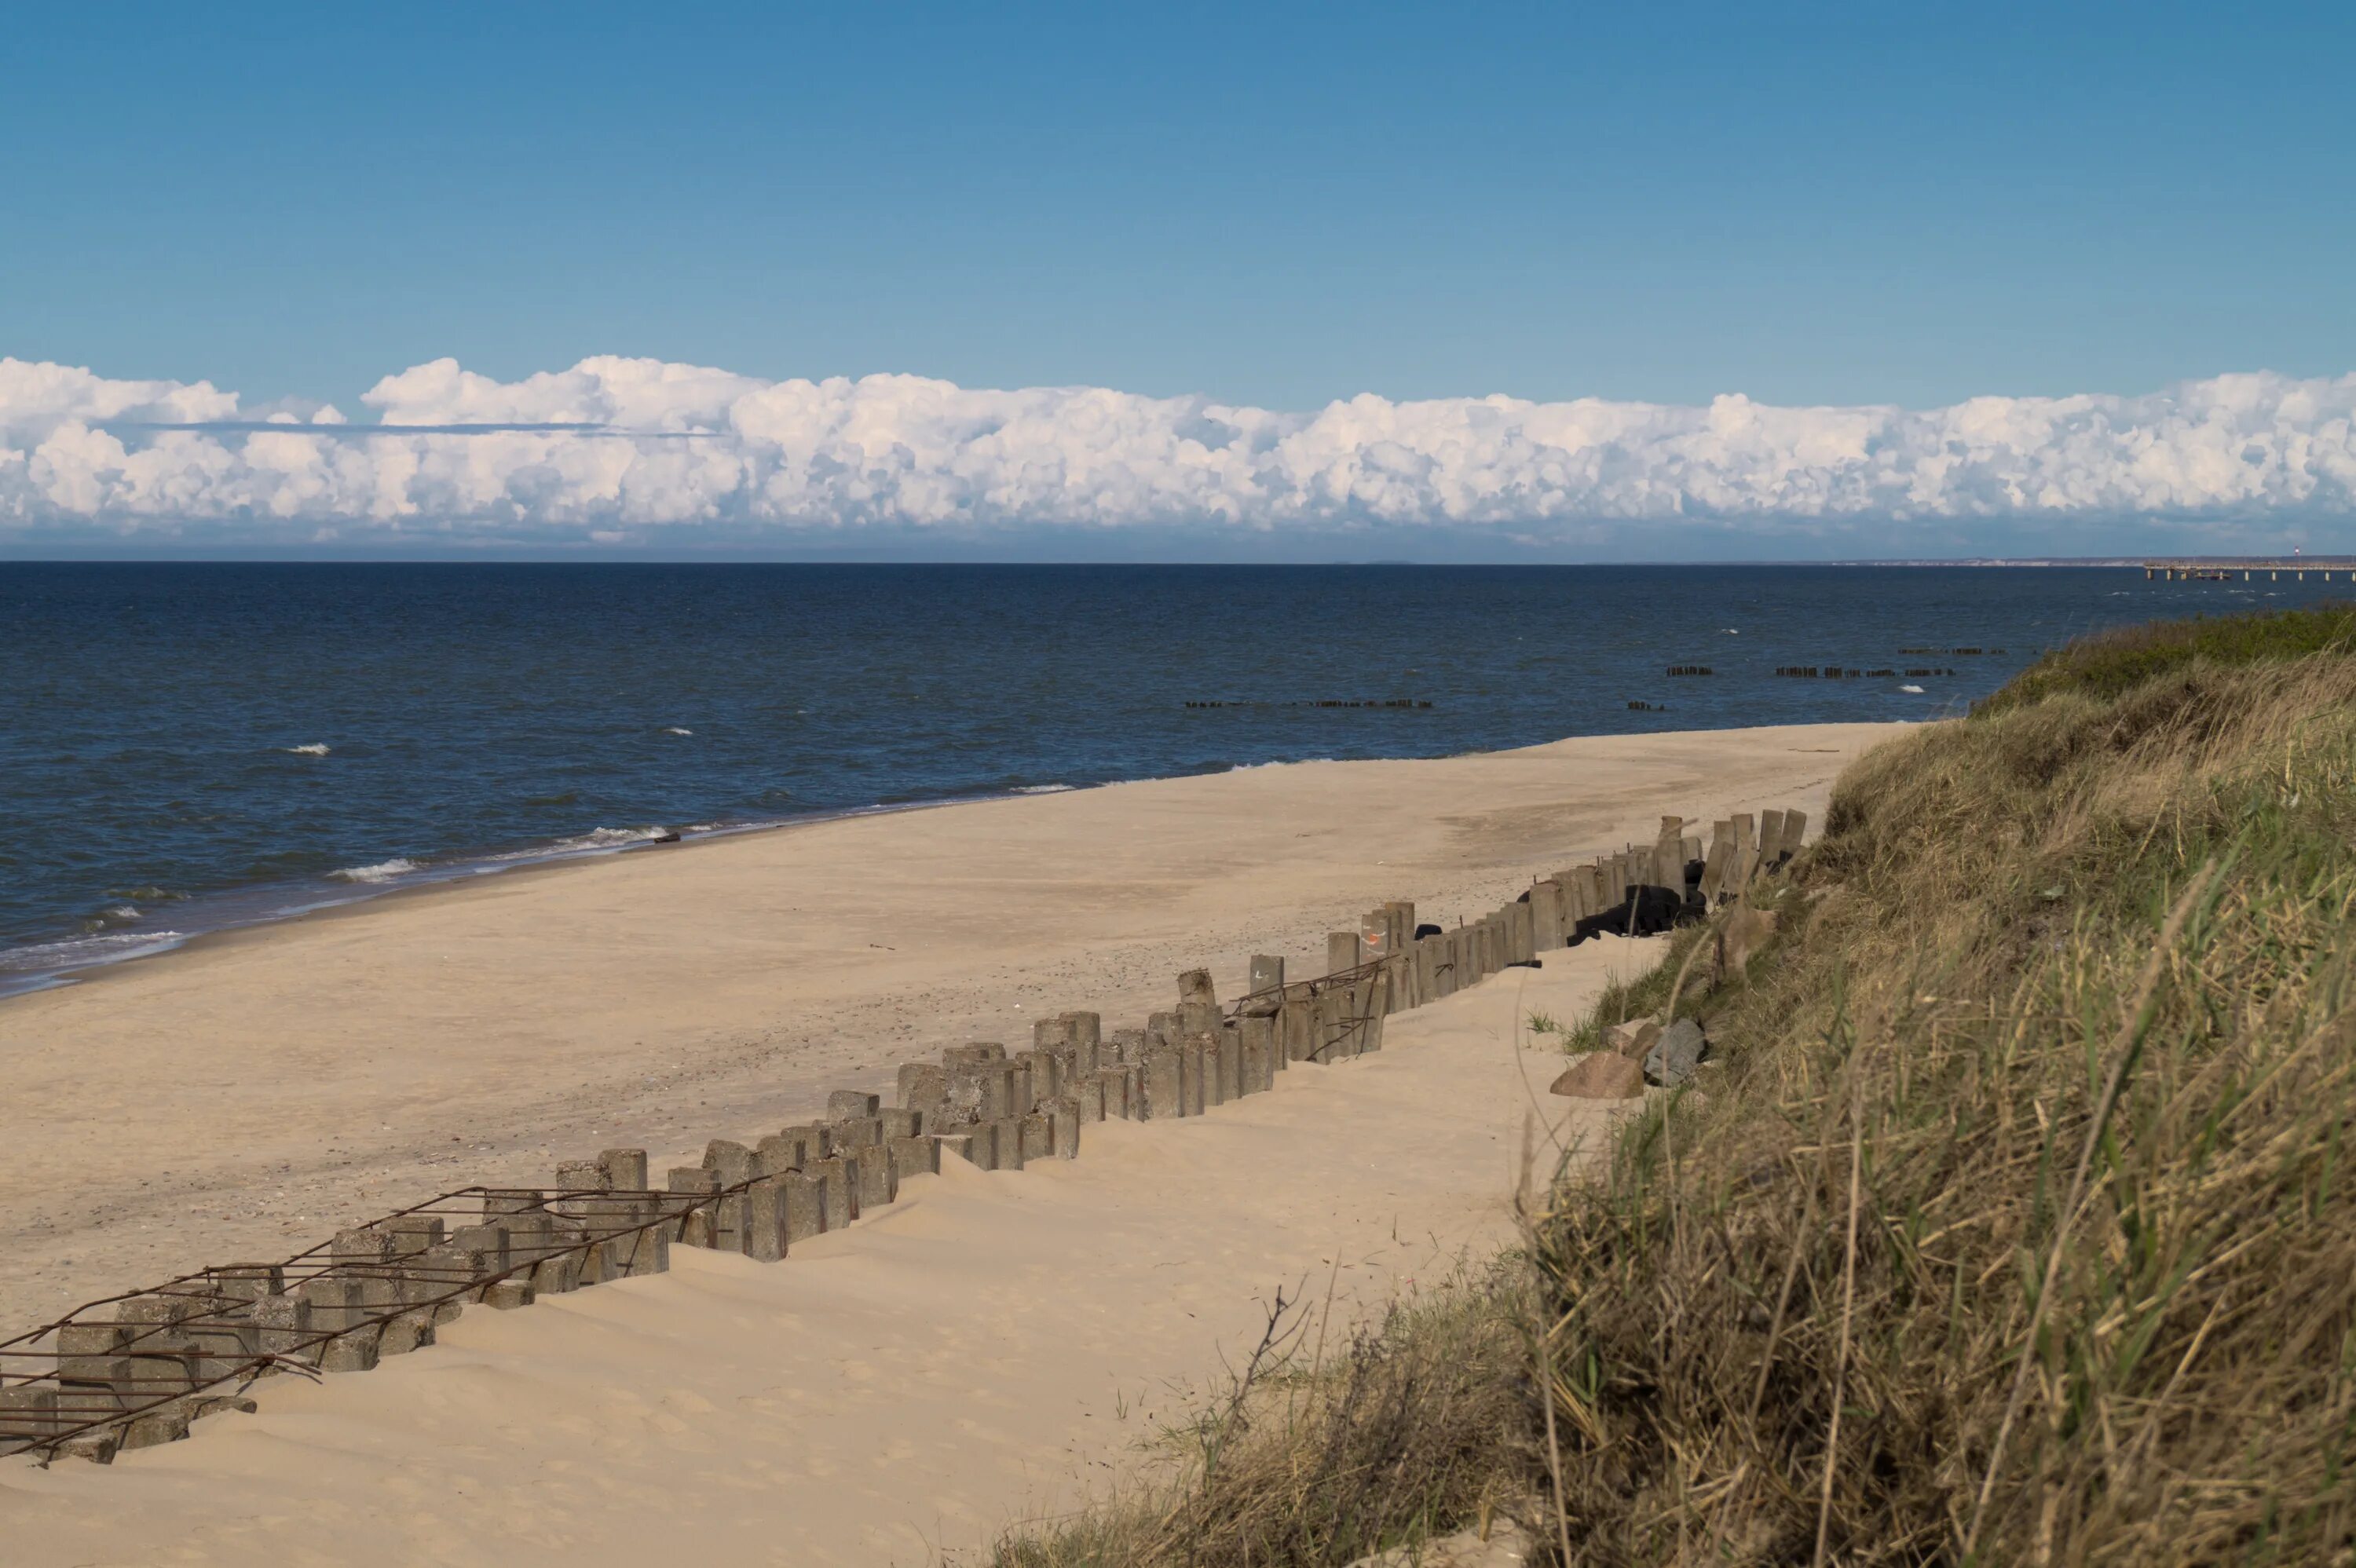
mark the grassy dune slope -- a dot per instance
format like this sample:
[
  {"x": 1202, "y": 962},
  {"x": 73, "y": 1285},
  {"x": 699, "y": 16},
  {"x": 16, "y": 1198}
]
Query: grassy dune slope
[{"x": 2011, "y": 1225}]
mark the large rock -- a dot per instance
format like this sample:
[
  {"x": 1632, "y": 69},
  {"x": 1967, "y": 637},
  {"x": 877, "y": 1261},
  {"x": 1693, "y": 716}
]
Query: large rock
[
  {"x": 1672, "y": 1057},
  {"x": 1601, "y": 1075},
  {"x": 1633, "y": 1039}
]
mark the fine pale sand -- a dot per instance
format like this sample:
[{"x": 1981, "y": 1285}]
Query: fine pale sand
[{"x": 987, "y": 1346}]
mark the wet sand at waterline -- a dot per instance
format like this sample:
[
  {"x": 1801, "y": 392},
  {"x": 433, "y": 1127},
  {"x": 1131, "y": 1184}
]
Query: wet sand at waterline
[{"x": 245, "y": 1097}]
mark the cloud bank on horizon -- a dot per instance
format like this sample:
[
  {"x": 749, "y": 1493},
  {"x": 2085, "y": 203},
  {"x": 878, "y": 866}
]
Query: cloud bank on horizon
[{"x": 638, "y": 452}]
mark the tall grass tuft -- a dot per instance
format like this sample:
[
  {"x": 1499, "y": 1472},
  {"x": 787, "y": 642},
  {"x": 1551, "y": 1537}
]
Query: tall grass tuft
[{"x": 2018, "y": 1229}]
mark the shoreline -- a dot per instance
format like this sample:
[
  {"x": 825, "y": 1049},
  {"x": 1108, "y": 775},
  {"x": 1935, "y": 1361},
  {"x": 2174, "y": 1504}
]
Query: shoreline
[{"x": 268, "y": 1084}]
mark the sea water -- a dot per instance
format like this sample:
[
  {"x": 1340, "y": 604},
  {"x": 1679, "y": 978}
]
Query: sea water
[{"x": 184, "y": 747}]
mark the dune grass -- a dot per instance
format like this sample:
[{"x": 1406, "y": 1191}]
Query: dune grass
[{"x": 2014, "y": 1224}]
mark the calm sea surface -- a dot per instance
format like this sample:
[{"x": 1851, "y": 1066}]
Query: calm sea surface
[{"x": 184, "y": 747}]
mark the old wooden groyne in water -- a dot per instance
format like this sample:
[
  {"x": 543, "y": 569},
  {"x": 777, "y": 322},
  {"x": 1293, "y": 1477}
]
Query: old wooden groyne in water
[{"x": 2270, "y": 568}]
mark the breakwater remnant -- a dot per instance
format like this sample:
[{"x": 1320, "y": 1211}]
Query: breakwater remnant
[
  {"x": 141, "y": 1368},
  {"x": 1835, "y": 672}
]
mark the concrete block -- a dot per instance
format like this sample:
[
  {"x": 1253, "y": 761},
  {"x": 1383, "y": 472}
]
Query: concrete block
[
  {"x": 1340, "y": 952},
  {"x": 1047, "y": 1033},
  {"x": 98, "y": 1447},
  {"x": 923, "y": 1084},
  {"x": 1522, "y": 937},
  {"x": 355, "y": 1350},
  {"x": 1045, "y": 1067},
  {"x": 804, "y": 1213},
  {"x": 1088, "y": 1094},
  {"x": 1197, "y": 1065},
  {"x": 579, "y": 1176},
  {"x": 858, "y": 1132},
  {"x": 1124, "y": 1045},
  {"x": 1113, "y": 1083},
  {"x": 1088, "y": 1039},
  {"x": 1164, "y": 1081},
  {"x": 1009, "y": 1133},
  {"x": 1229, "y": 1081},
  {"x": 1256, "y": 1053},
  {"x": 168, "y": 1425},
  {"x": 1065, "y": 1116},
  {"x": 1039, "y": 1135},
  {"x": 975, "y": 1144},
  {"x": 557, "y": 1275},
  {"x": 764, "y": 1237},
  {"x": 28, "y": 1414},
  {"x": 506, "y": 1294},
  {"x": 776, "y": 1154},
  {"x": 1198, "y": 1018},
  {"x": 850, "y": 1105},
  {"x": 414, "y": 1233},
  {"x": 1545, "y": 915},
  {"x": 872, "y": 1181},
  {"x": 282, "y": 1324},
  {"x": 974, "y": 1053},
  {"x": 901, "y": 1123},
  {"x": 913, "y": 1155},
  {"x": 834, "y": 1173},
  {"x": 1194, "y": 989},
  {"x": 1267, "y": 985},
  {"x": 647, "y": 1249},
  {"x": 694, "y": 1227},
  {"x": 87, "y": 1351},
  {"x": 1020, "y": 1092},
  {"x": 731, "y": 1161},
  {"x": 625, "y": 1169},
  {"x": 410, "y": 1331}
]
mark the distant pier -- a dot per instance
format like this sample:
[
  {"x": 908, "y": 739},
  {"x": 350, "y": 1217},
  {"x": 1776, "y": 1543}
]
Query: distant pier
[{"x": 2272, "y": 570}]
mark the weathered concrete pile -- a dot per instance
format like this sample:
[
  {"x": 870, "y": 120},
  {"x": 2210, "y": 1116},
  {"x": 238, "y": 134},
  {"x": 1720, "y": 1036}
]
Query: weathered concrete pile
[{"x": 133, "y": 1370}]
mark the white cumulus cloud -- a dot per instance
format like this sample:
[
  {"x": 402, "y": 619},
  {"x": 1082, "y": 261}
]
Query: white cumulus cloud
[{"x": 638, "y": 450}]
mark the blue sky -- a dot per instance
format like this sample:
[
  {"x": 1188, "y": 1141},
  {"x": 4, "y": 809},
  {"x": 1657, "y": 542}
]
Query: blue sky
[{"x": 1275, "y": 207}]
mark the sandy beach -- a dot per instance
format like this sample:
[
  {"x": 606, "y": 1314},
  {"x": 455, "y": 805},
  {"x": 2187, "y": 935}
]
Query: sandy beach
[
  {"x": 990, "y": 1349},
  {"x": 248, "y": 1095}
]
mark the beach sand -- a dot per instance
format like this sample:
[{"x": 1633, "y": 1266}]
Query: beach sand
[
  {"x": 247, "y": 1096},
  {"x": 992, "y": 1345}
]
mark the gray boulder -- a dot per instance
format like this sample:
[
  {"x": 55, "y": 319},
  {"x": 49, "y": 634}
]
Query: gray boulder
[{"x": 1675, "y": 1054}]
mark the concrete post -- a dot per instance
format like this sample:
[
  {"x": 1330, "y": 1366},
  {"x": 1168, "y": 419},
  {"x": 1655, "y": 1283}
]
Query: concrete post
[
  {"x": 1296, "y": 1024},
  {"x": 765, "y": 1219},
  {"x": 1770, "y": 838},
  {"x": 1374, "y": 936},
  {"x": 695, "y": 1180},
  {"x": 731, "y": 1161},
  {"x": 1258, "y": 1047},
  {"x": 877, "y": 1188},
  {"x": 1795, "y": 827},
  {"x": 833, "y": 1176},
  {"x": 803, "y": 1199},
  {"x": 1010, "y": 1154},
  {"x": 1229, "y": 1080},
  {"x": 1088, "y": 1096},
  {"x": 624, "y": 1169},
  {"x": 1194, "y": 986},
  {"x": 913, "y": 1155},
  {"x": 1342, "y": 951},
  {"x": 981, "y": 1145},
  {"x": 850, "y": 1105},
  {"x": 1546, "y": 916},
  {"x": 1267, "y": 977},
  {"x": 1521, "y": 938},
  {"x": 901, "y": 1124}
]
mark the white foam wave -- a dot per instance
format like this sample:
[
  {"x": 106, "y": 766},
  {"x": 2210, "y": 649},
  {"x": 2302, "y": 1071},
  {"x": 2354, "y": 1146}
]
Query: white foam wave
[
  {"x": 676, "y": 730},
  {"x": 82, "y": 950},
  {"x": 1043, "y": 789},
  {"x": 123, "y": 911},
  {"x": 383, "y": 871},
  {"x": 315, "y": 749},
  {"x": 1915, "y": 689}
]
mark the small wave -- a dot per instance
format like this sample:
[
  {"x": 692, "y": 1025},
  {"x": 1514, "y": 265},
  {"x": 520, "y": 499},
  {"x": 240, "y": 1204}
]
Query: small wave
[
  {"x": 123, "y": 911},
  {"x": 675, "y": 730},
  {"x": 315, "y": 749},
  {"x": 1915, "y": 689},
  {"x": 383, "y": 871},
  {"x": 1043, "y": 789},
  {"x": 79, "y": 951}
]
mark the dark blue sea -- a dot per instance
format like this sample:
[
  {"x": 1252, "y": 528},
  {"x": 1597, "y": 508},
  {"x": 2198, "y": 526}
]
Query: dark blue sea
[{"x": 185, "y": 747}]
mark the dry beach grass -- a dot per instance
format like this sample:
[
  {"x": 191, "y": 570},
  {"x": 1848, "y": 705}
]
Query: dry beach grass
[{"x": 2012, "y": 1224}]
